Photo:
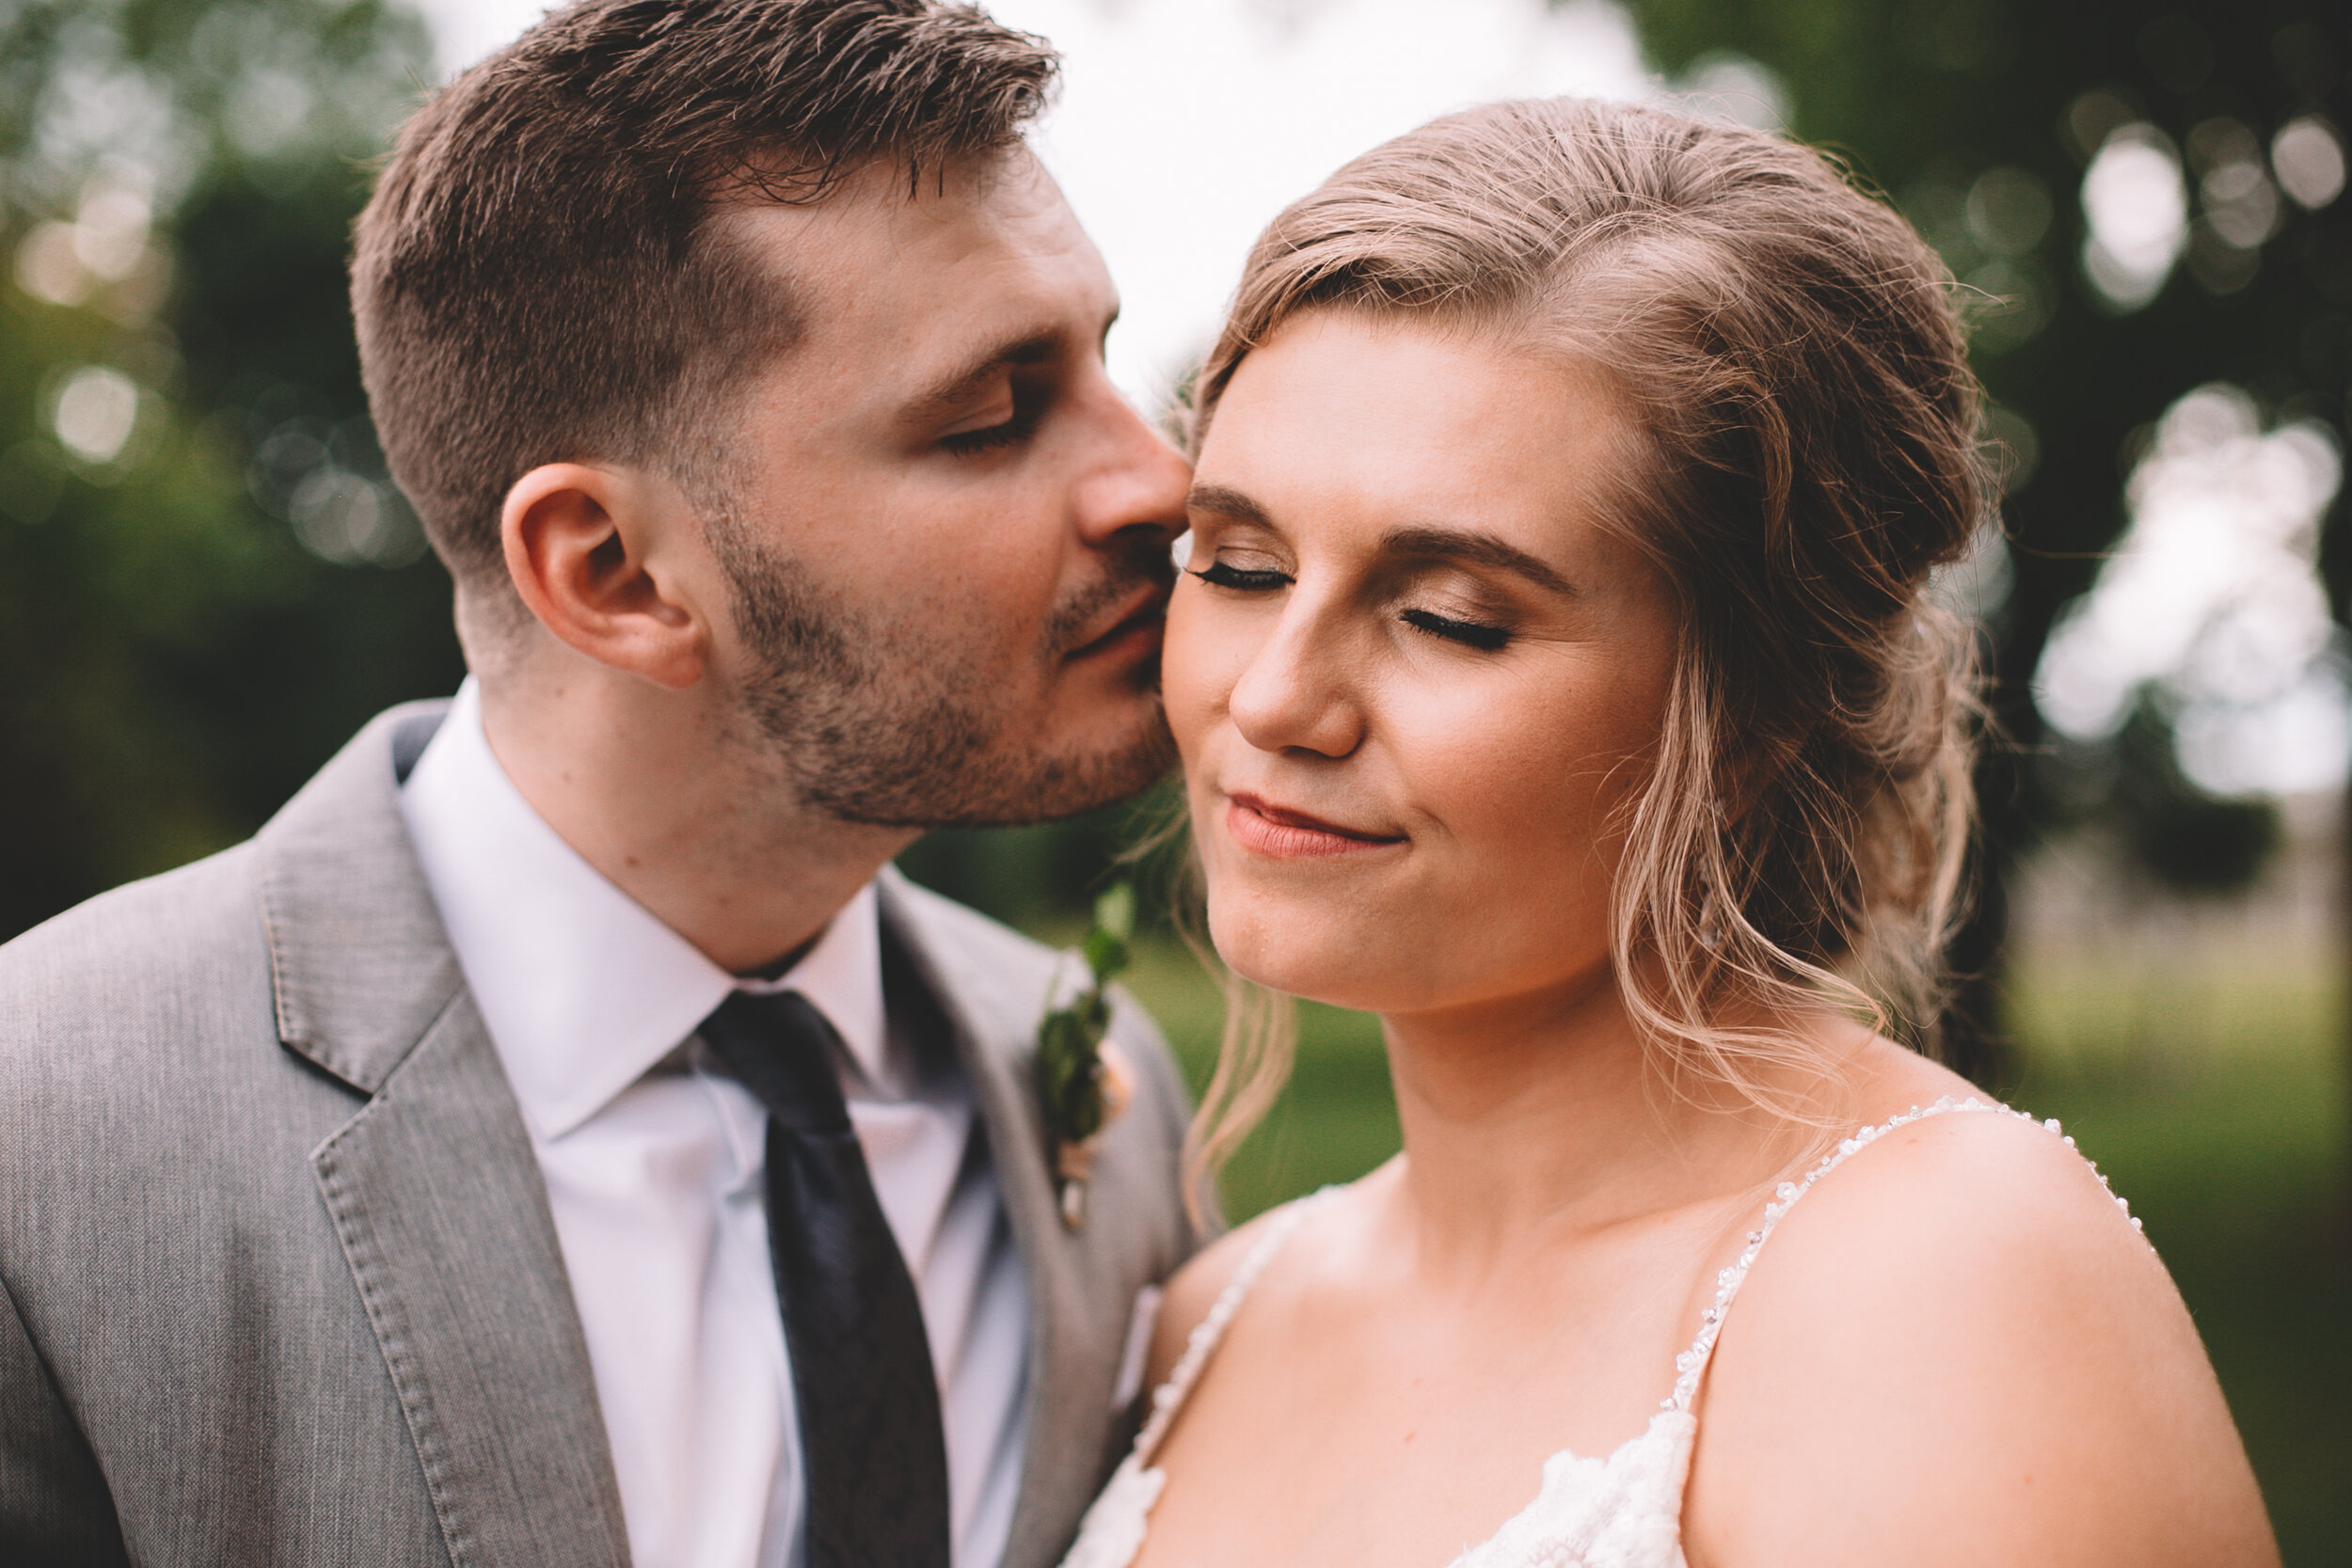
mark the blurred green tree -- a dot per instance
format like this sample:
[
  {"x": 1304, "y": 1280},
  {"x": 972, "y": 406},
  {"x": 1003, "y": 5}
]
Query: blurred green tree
[
  {"x": 206, "y": 580},
  {"x": 1981, "y": 117}
]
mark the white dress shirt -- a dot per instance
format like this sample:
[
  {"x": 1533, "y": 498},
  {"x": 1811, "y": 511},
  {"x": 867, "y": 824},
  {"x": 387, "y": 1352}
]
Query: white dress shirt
[{"x": 654, "y": 1175}]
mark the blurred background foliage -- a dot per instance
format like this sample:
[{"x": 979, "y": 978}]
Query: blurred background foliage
[
  {"x": 206, "y": 582},
  {"x": 1983, "y": 121}
]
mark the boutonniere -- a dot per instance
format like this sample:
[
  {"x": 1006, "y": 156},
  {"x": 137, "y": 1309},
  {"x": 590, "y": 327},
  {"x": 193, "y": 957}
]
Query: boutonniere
[{"x": 1082, "y": 1078}]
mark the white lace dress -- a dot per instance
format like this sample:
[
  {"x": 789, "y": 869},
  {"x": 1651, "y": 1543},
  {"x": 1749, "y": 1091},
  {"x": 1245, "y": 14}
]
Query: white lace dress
[{"x": 1621, "y": 1511}]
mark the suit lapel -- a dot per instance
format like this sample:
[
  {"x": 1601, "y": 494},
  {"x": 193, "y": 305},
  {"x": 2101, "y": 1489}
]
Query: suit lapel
[
  {"x": 434, "y": 1189},
  {"x": 437, "y": 1200},
  {"x": 1081, "y": 1293}
]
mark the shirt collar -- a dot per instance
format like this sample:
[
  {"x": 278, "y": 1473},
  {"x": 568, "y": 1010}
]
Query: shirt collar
[{"x": 582, "y": 988}]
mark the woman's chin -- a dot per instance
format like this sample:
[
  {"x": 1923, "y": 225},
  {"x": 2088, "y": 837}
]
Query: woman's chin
[{"x": 1317, "y": 966}]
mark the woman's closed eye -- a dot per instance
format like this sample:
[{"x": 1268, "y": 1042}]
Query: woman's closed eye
[
  {"x": 1481, "y": 635},
  {"x": 1475, "y": 634},
  {"x": 1219, "y": 574}
]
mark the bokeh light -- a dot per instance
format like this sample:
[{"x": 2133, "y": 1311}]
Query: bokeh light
[
  {"x": 2309, "y": 157},
  {"x": 2137, "y": 212},
  {"x": 2213, "y": 598},
  {"x": 94, "y": 413},
  {"x": 102, "y": 255}
]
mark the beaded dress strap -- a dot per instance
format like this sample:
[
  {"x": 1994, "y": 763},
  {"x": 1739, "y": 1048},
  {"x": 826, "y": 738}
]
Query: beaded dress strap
[
  {"x": 1169, "y": 1397},
  {"x": 1692, "y": 1364}
]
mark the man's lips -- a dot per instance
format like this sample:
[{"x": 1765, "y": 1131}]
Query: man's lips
[
  {"x": 1145, "y": 618},
  {"x": 1282, "y": 833}
]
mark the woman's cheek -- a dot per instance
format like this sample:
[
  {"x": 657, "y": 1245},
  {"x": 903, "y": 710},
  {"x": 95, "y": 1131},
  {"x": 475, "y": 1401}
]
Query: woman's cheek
[
  {"x": 1207, "y": 649},
  {"x": 1186, "y": 653}
]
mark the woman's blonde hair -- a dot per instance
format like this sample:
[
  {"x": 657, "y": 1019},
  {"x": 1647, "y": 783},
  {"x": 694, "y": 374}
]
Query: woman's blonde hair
[{"x": 1807, "y": 423}]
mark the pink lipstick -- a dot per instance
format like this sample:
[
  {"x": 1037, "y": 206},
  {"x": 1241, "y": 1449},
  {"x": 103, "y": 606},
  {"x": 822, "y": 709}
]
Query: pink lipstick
[{"x": 1281, "y": 833}]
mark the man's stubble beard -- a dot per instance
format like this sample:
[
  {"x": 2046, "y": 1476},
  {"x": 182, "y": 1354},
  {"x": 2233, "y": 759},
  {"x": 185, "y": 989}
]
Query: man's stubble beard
[{"x": 873, "y": 726}]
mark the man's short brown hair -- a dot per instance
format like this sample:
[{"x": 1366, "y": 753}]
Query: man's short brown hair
[{"x": 534, "y": 281}]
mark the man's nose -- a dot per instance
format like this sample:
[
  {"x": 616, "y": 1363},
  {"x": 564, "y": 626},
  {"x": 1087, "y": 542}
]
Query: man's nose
[{"x": 1138, "y": 479}]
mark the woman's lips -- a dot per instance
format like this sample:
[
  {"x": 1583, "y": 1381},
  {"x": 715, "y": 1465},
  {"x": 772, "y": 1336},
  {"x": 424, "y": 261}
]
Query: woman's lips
[{"x": 1282, "y": 834}]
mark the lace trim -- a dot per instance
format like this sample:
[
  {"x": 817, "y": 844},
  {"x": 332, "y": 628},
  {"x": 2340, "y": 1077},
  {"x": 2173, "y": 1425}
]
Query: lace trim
[
  {"x": 1169, "y": 1397},
  {"x": 1692, "y": 1364},
  {"x": 1689, "y": 1367}
]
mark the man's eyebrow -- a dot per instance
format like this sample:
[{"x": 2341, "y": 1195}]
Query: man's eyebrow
[{"x": 1483, "y": 549}]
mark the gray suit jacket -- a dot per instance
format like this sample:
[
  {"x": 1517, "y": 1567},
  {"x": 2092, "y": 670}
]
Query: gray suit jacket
[{"x": 277, "y": 1280}]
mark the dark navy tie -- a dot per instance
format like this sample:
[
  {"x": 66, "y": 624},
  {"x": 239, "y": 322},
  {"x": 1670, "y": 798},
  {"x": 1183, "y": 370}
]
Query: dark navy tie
[{"x": 871, "y": 1441}]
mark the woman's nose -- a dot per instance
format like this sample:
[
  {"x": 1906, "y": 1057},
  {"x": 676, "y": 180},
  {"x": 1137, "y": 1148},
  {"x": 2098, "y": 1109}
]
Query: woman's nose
[{"x": 1297, "y": 692}]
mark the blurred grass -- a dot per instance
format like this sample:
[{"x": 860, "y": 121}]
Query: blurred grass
[
  {"x": 1336, "y": 1118},
  {"x": 2214, "y": 1104}
]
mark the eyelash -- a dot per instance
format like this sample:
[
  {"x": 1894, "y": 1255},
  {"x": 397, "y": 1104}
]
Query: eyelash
[
  {"x": 1217, "y": 575},
  {"x": 1469, "y": 633},
  {"x": 971, "y": 443}
]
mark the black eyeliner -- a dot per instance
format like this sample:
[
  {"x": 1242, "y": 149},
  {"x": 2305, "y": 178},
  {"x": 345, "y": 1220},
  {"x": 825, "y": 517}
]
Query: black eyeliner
[
  {"x": 1217, "y": 575},
  {"x": 1470, "y": 633}
]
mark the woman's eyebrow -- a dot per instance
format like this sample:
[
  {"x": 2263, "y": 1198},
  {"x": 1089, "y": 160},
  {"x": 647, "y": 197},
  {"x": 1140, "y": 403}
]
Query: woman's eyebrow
[
  {"x": 1226, "y": 502},
  {"x": 1482, "y": 549}
]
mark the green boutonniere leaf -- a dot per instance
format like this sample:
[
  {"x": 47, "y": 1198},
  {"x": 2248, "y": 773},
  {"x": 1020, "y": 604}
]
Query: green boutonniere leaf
[
  {"x": 1106, "y": 946},
  {"x": 1070, "y": 1066}
]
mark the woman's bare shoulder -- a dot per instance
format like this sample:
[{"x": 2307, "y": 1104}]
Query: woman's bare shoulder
[
  {"x": 1959, "y": 1348},
  {"x": 1193, "y": 1290}
]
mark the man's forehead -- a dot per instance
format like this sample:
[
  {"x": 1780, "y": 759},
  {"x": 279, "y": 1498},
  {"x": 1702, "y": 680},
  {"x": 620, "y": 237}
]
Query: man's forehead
[{"x": 977, "y": 251}]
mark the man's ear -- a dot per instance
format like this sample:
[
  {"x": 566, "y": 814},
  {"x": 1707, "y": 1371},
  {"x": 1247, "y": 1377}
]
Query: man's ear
[{"x": 600, "y": 556}]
